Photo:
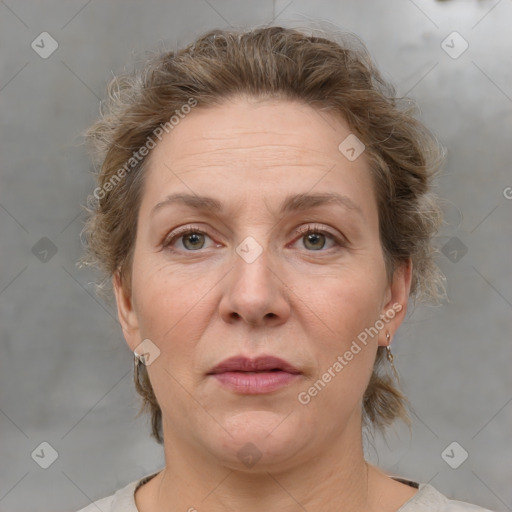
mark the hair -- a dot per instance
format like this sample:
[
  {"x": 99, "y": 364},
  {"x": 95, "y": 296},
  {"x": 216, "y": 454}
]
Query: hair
[{"x": 334, "y": 75}]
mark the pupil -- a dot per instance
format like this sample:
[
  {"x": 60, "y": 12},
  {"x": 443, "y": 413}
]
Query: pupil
[
  {"x": 194, "y": 239},
  {"x": 314, "y": 238}
]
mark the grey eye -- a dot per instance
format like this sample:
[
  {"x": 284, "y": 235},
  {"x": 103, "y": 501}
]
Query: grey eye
[
  {"x": 314, "y": 240},
  {"x": 195, "y": 240}
]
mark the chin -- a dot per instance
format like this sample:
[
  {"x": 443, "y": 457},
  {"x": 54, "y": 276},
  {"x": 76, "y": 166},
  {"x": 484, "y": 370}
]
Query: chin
[{"x": 259, "y": 441}]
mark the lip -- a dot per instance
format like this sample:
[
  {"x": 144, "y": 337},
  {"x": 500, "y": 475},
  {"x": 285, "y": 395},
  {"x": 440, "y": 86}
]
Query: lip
[
  {"x": 262, "y": 374},
  {"x": 258, "y": 364}
]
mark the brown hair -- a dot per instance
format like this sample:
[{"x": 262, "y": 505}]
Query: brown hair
[{"x": 338, "y": 77}]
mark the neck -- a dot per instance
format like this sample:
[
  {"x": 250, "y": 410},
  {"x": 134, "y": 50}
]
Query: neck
[{"x": 335, "y": 478}]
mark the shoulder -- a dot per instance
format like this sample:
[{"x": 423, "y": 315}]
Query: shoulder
[
  {"x": 429, "y": 499},
  {"x": 122, "y": 501}
]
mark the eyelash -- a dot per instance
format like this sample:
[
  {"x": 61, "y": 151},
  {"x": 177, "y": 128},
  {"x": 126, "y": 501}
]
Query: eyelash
[{"x": 300, "y": 231}]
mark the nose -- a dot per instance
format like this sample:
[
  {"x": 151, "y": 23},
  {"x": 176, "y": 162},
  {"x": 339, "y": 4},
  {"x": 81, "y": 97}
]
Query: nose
[{"x": 255, "y": 293}]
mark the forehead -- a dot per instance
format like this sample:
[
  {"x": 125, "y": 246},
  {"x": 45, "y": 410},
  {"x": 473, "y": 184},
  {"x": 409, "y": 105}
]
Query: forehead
[
  {"x": 248, "y": 123},
  {"x": 274, "y": 146}
]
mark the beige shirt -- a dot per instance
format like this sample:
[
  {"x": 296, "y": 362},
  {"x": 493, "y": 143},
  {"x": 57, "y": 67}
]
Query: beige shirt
[{"x": 427, "y": 499}]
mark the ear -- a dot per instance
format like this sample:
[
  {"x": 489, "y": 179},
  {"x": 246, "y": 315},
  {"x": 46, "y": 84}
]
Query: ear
[
  {"x": 395, "y": 308},
  {"x": 126, "y": 312}
]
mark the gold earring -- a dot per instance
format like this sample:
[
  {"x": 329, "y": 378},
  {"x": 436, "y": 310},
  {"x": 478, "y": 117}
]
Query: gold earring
[{"x": 390, "y": 356}]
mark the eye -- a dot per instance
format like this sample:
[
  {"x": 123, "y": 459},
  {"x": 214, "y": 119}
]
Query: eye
[
  {"x": 316, "y": 237},
  {"x": 192, "y": 238}
]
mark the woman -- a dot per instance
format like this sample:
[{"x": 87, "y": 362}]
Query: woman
[{"x": 264, "y": 212}]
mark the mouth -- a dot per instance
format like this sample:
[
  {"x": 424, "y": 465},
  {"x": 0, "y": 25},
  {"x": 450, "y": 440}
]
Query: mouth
[
  {"x": 262, "y": 364},
  {"x": 263, "y": 374}
]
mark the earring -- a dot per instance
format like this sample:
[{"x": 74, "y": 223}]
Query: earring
[
  {"x": 138, "y": 362},
  {"x": 390, "y": 356},
  {"x": 388, "y": 347}
]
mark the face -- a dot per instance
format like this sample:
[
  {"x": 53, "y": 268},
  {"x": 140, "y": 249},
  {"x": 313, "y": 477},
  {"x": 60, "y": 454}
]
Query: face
[{"x": 285, "y": 261}]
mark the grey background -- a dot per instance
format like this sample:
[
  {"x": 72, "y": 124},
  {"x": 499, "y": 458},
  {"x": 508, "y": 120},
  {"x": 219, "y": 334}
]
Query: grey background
[{"x": 65, "y": 371}]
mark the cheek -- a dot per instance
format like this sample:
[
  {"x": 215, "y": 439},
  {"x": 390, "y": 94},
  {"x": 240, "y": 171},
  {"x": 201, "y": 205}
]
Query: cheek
[
  {"x": 174, "y": 307},
  {"x": 346, "y": 301},
  {"x": 167, "y": 297},
  {"x": 345, "y": 310},
  {"x": 346, "y": 353}
]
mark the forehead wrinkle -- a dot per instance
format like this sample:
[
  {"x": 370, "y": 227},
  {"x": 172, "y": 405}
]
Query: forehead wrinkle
[
  {"x": 228, "y": 157},
  {"x": 301, "y": 148},
  {"x": 208, "y": 166}
]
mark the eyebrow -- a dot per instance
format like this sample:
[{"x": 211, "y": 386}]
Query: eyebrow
[{"x": 292, "y": 203}]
